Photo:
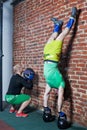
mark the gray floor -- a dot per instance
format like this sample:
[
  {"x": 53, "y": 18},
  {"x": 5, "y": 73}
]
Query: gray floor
[{"x": 33, "y": 122}]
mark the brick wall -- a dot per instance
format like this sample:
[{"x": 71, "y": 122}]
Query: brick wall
[{"x": 32, "y": 28}]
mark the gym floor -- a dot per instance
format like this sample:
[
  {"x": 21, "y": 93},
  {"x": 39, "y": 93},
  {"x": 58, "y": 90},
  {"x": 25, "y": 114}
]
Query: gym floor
[{"x": 34, "y": 121}]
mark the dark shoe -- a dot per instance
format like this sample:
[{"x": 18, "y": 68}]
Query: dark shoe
[
  {"x": 74, "y": 12},
  {"x": 57, "y": 22},
  {"x": 47, "y": 117},
  {"x": 63, "y": 123}
]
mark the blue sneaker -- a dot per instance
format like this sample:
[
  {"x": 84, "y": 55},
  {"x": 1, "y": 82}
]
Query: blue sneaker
[
  {"x": 74, "y": 12},
  {"x": 62, "y": 115},
  {"x": 57, "y": 22}
]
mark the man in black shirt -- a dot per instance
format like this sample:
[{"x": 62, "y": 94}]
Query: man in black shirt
[{"x": 14, "y": 95}]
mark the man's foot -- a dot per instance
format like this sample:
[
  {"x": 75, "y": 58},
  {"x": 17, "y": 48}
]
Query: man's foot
[
  {"x": 22, "y": 114},
  {"x": 74, "y": 12},
  {"x": 57, "y": 22},
  {"x": 12, "y": 110}
]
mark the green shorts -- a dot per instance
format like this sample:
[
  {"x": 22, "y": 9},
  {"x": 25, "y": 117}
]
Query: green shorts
[
  {"x": 53, "y": 76},
  {"x": 17, "y": 99}
]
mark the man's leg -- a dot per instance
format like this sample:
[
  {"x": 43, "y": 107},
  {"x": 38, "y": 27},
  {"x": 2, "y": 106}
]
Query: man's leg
[
  {"x": 24, "y": 105},
  {"x": 69, "y": 25},
  {"x": 24, "y": 100},
  {"x": 20, "y": 112},
  {"x": 57, "y": 28}
]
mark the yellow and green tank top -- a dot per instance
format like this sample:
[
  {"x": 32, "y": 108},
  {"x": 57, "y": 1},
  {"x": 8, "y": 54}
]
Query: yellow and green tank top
[{"x": 52, "y": 51}]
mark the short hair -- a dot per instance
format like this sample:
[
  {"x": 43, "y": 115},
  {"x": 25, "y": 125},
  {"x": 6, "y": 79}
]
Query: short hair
[{"x": 16, "y": 68}]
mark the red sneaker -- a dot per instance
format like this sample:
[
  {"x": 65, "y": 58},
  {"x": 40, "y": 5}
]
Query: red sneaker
[
  {"x": 22, "y": 114},
  {"x": 12, "y": 110}
]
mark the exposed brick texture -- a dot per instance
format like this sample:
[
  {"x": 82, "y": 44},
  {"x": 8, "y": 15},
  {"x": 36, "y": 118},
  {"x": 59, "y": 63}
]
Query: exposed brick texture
[{"x": 32, "y": 28}]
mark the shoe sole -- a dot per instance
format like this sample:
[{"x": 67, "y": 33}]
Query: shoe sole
[
  {"x": 59, "y": 22},
  {"x": 74, "y": 11}
]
